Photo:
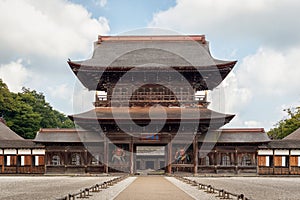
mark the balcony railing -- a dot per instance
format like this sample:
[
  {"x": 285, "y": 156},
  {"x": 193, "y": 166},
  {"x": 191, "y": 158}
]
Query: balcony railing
[{"x": 108, "y": 100}]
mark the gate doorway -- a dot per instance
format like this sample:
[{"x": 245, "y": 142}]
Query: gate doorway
[
  {"x": 149, "y": 157},
  {"x": 150, "y": 164}
]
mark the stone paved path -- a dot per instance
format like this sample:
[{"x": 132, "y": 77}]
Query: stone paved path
[{"x": 152, "y": 187}]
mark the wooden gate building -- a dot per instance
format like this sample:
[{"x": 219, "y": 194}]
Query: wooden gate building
[{"x": 147, "y": 96}]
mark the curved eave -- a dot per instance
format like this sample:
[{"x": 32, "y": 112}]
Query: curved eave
[
  {"x": 79, "y": 66},
  {"x": 227, "y": 118},
  {"x": 141, "y": 114}
]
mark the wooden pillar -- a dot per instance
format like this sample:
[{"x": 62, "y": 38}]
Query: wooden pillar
[
  {"x": 273, "y": 161},
  {"x": 105, "y": 156},
  {"x": 236, "y": 160},
  {"x": 85, "y": 160},
  {"x": 31, "y": 163},
  {"x": 131, "y": 150},
  {"x": 289, "y": 162},
  {"x": 216, "y": 161},
  {"x": 196, "y": 151},
  {"x": 3, "y": 162},
  {"x": 66, "y": 159},
  {"x": 169, "y": 166},
  {"x": 17, "y": 162}
]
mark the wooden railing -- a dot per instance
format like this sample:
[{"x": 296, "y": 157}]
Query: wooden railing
[
  {"x": 105, "y": 100},
  {"x": 221, "y": 193},
  {"x": 87, "y": 192}
]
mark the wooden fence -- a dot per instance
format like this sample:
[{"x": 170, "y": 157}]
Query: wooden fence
[
  {"x": 86, "y": 192},
  {"x": 221, "y": 193}
]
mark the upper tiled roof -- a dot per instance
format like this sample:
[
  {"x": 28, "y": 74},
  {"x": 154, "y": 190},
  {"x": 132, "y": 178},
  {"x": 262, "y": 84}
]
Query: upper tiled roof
[{"x": 135, "y": 51}]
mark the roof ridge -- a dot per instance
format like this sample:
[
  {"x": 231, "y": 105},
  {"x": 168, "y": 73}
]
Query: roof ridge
[{"x": 199, "y": 38}]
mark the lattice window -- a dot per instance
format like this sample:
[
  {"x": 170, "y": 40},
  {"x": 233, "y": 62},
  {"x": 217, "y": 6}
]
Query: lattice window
[
  {"x": 55, "y": 160},
  {"x": 95, "y": 160},
  {"x": 206, "y": 160},
  {"x": 246, "y": 160},
  {"x": 75, "y": 159},
  {"x": 225, "y": 160}
]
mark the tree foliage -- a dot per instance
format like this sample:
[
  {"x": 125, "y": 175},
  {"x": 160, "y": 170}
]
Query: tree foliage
[
  {"x": 27, "y": 111},
  {"x": 286, "y": 126}
]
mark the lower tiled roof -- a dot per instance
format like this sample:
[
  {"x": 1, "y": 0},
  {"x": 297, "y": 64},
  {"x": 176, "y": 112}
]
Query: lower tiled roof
[{"x": 19, "y": 144}]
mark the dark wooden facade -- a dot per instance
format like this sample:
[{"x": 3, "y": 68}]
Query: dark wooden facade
[
  {"x": 19, "y": 156},
  {"x": 22, "y": 160},
  {"x": 280, "y": 157}
]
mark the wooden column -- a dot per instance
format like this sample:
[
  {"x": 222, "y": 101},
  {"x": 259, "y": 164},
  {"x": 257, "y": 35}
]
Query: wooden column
[
  {"x": 85, "y": 160},
  {"x": 196, "y": 151},
  {"x": 3, "y": 162},
  {"x": 273, "y": 161},
  {"x": 105, "y": 156},
  {"x": 216, "y": 160},
  {"x": 65, "y": 159},
  {"x": 236, "y": 160},
  {"x": 169, "y": 166},
  {"x": 131, "y": 150},
  {"x": 32, "y": 158},
  {"x": 289, "y": 162}
]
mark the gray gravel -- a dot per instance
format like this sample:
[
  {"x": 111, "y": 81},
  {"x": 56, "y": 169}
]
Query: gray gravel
[
  {"x": 113, "y": 191},
  {"x": 52, "y": 187},
  {"x": 259, "y": 188},
  {"x": 44, "y": 187},
  {"x": 192, "y": 191}
]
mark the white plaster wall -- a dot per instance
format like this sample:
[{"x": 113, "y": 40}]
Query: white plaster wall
[
  {"x": 24, "y": 151},
  {"x": 281, "y": 152},
  {"x": 265, "y": 152},
  {"x": 38, "y": 151},
  {"x": 10, "y": 151},
  {"x": 295, "y": 152}
]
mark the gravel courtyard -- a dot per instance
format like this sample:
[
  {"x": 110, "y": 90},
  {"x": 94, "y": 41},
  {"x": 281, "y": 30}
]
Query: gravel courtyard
[
  {"x": 266, "y": 188},
  {"x": 52, "y": 187},
  {"x": 43, "y": 187}
]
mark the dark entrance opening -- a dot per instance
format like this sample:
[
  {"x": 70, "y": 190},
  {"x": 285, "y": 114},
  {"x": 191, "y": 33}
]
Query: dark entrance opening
[
  {"x": 138, "y": 165},
  {"x": 150, "y": 164},
  {"x": 162, "y": 164}
]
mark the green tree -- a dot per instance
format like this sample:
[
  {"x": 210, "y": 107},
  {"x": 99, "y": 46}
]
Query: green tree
[
  {"x": 286, "y": 126},
  {"x": 6, "y": 100},
  {"x": 26, "y": 112}
]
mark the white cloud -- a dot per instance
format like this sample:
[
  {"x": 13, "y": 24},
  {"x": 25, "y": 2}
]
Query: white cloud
[
  {"x": 102, "y": 3},
  {"x": 270, "y": 22},
  {"x": 45, "y": 34},
  {"x": 62, "y": 91},
  {"x": 266, "y": 79},
  {"x": 232, "y": 96},
  {"x": 54, "y": 28},
  {"x": 252, "y": 123},
  {"x": 271, "y": 72},
  {"x": 14, "y": 74}
]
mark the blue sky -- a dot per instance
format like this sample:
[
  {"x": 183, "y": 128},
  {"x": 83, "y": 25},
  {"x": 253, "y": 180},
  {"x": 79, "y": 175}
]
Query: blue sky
[
  {"x": 125, "y": 15},
  {"x": 264, "y": 36}
]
